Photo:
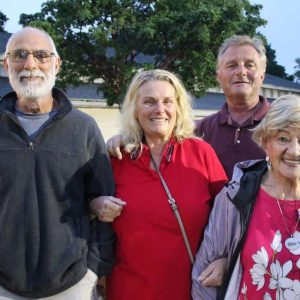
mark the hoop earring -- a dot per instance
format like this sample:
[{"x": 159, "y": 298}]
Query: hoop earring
[{"x": 269, "y": 165}]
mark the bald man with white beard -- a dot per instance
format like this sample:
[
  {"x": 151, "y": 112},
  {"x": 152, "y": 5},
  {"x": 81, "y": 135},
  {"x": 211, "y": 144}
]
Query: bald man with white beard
[{"x": 53, "y": 161}]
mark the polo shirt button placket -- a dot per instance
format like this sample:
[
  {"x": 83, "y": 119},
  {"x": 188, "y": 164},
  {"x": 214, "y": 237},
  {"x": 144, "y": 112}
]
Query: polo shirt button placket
[{"x": 236, "y": 136}]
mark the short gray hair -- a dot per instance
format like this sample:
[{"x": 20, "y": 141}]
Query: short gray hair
[
  {"x": 284, "y": 112},
  {"x": 14, "y": 35},
  {"x": 241, "y": 40}
]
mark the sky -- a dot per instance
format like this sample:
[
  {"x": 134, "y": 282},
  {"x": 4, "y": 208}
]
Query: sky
[{"x": 282, "y": 30}]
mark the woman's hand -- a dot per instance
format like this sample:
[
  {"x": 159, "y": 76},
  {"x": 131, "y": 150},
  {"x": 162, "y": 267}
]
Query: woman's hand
[
  {"x": 214, "y": 274},
  {"x": 106, "y": 208},
  {"x": 114, "y": 146}
]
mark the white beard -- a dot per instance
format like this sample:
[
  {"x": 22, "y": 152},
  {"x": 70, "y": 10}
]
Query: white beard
[{"x": 35, "y": 89}]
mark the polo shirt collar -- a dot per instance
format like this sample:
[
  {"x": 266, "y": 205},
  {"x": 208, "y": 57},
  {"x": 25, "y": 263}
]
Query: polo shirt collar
[{"x": 258, "y": 114}]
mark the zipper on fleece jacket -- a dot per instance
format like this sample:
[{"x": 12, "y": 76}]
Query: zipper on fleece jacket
[{"x": 30, "y": 142}]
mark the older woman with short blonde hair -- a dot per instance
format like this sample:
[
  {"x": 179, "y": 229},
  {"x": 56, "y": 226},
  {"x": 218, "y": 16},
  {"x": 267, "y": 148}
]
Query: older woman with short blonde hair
[{"x": 255, "y": 222}]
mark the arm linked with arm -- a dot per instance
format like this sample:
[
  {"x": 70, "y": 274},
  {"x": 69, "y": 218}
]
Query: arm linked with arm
[{"x": 216, "y": 244}]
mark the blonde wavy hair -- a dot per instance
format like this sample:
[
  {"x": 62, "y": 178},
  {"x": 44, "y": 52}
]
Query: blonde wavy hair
[
  {"x": 131, "y": 130},
  {"x": 284, "y": 112}
]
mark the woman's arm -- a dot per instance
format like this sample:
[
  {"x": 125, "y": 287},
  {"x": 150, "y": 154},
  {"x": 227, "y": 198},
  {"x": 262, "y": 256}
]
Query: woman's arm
[{"x": 217, "y": 242}]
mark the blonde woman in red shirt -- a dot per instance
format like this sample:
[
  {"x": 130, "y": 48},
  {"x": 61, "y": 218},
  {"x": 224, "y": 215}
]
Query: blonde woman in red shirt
[{"x": 153, "y": 260}]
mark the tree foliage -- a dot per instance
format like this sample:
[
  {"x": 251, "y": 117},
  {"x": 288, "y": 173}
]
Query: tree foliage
[
  {"x": 297, "y": 72},
  {"x": 3, "y": 20},
  {"x": 273, "y": 67},
  {"x": 112, "y": 39}
]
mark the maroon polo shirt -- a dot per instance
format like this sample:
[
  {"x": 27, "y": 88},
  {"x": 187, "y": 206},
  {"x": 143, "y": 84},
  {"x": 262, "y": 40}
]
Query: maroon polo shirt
[{"x": 232, "y": 141}]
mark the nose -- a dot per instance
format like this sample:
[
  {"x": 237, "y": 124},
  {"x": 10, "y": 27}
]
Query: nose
[
  {"x": 30, "y": 62},
  {"x": 159, "y": 108},
  {"x": 241, "y": 70}
]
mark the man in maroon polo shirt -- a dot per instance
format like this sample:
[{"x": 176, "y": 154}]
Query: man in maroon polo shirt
[{"x": 241, "y": 69}]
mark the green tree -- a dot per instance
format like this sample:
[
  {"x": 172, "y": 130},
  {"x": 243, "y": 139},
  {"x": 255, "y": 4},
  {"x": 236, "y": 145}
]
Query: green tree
[
  {"x": 297, "y": 68},
  {"x": 273, "y": 67},
  {"x": 3, "y": 20},
  {"x": 112, "y": 39}
]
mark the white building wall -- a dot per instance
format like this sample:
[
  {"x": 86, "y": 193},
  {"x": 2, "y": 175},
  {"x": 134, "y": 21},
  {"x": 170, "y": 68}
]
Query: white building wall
[{"x": 106, "y": 118}]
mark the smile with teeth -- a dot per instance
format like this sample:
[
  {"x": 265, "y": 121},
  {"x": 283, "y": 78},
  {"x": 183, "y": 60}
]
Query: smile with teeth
[
  {"x": 292, "y": 161},
  {"x": 158, "y": 120}
]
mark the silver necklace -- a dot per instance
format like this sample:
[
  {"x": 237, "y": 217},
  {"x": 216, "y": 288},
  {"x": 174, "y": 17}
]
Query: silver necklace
[{"x": 290, "y": 243}]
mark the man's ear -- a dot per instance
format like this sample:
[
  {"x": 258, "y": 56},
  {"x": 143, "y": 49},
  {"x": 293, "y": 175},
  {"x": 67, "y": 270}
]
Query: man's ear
[
  {"x": 217, "y": 76},
  {"x": 5, "y": 64},
  {"x": 57, "y": 65}
]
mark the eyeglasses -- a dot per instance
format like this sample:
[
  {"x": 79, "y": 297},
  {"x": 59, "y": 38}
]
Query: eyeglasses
[{"x": 39, "y": 56}]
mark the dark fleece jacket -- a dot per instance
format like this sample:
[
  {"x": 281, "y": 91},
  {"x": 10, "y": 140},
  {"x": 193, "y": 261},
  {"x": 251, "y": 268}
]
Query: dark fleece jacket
[{"x": 47, "y": 238}]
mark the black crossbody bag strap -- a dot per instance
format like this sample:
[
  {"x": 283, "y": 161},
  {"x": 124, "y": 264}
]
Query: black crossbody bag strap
[{"x": 174, "y": 207}]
